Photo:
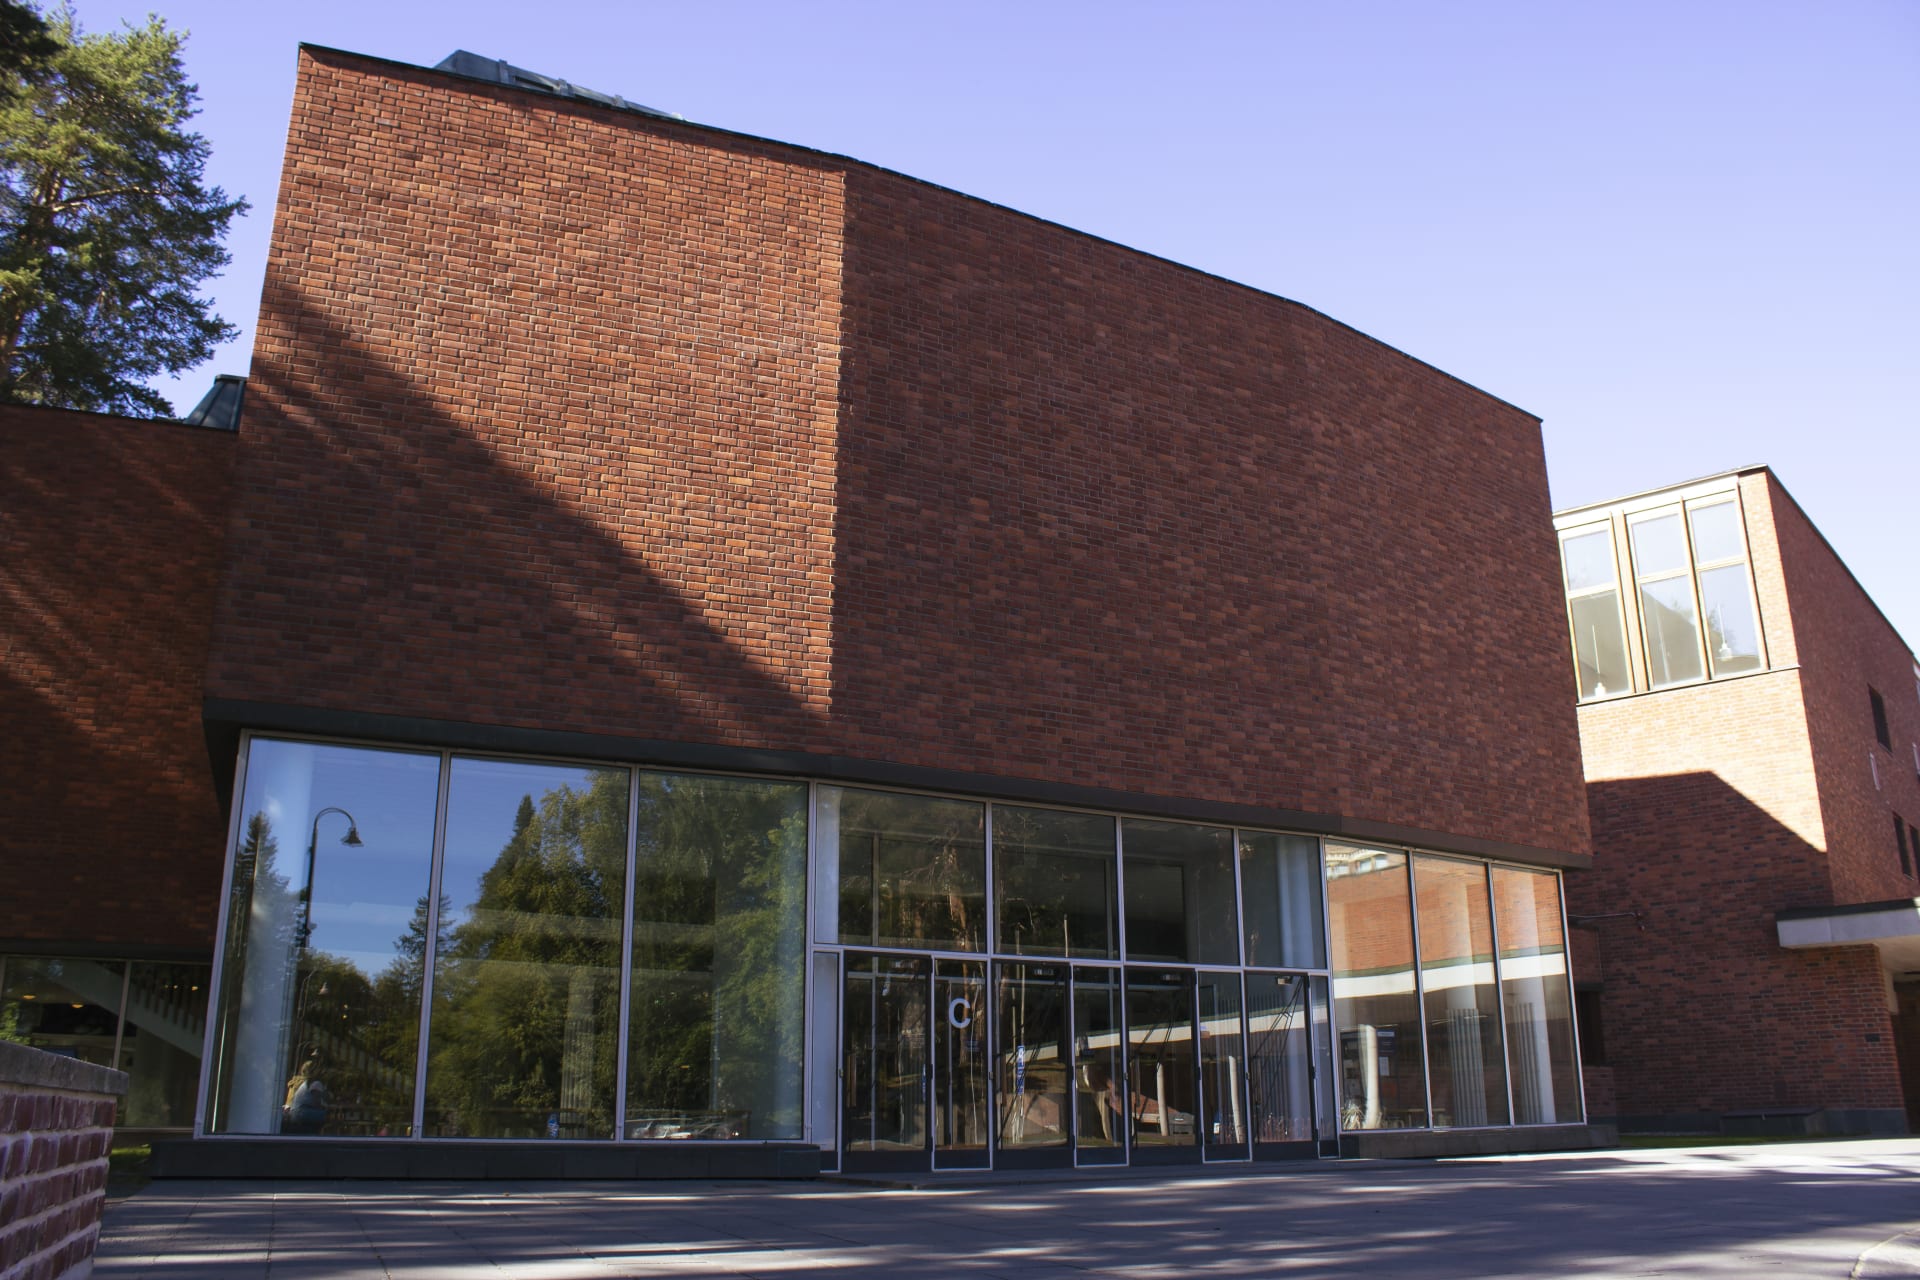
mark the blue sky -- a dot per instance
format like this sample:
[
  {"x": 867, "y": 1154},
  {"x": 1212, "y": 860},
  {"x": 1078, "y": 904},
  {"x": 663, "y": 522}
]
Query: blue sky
[{"x": 1687, "y": 235}]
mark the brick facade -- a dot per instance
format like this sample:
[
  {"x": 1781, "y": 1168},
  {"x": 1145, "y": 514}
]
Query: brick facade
[
  {"x": 1715, "y": 805},
  {"x": 113, "y": 530},
  {"x": 565, "y": 418},
  {"x": 56, "y": 1123}
]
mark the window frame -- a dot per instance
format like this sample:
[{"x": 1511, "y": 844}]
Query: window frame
[{"x": 1569, "y": 595}]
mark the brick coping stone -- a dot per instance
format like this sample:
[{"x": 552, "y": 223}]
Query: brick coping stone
[{"x": 23, "y": 1067}]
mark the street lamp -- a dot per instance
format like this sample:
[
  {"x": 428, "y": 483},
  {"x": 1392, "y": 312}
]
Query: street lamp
[{"x": 351, "y": 840}]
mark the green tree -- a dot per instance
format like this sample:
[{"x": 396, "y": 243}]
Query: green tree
[
  {"x": 106, "y": 228},
  {"x": 25, "y": 42}
]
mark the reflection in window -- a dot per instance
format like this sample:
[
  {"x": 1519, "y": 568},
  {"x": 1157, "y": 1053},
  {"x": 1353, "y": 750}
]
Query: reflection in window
[
  {"x": 1279, "y": 1065},
  {"x": 1053, "y": 882},
  {"x": 63, "y": 1006},
  {"x": 1160, "y": 1059},
  {"x": 1719, "y": 557},
  {"x": 1464, "y": 1058},
  {"x": 1533, "y": 983},
  {"x": 1179, "y": 881},
  {"x": 1593, "y": 608},
  {"x": 714, "y": 1024},
  {"x": 318, "y": 1025},
  {"x": 526, "y": 975},
  {"x": 1034, "y": 1067},
  {"x": 1382, "y": 1077},
  {"x": 1223, "y": 1066},
  {"x": 160, "y": 1042},
  {"x": 911, "y": 870},
  {"x": 1668, "y": 621},
  {"x": 1280, "y": 892}
]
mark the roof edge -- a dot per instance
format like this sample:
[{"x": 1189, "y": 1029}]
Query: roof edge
[{"x": 634, "y": 118}]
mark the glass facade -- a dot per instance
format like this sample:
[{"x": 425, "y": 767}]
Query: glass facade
[
  {"x": 147, "y": 1018},
  {"x": 478, "y": 947}
]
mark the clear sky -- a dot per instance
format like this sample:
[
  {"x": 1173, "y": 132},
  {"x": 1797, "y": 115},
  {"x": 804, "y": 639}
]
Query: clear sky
[{"x": 1687, "y": 235}]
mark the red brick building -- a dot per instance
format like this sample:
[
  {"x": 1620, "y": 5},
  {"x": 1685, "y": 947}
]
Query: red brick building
[
  {"x": 1753, "y": 784},
  {"x": 691, "y": 609}
]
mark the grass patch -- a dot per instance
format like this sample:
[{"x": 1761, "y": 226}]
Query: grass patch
[
  {"x": 1657, "y": 1140},
  {"x": 127, "y": 1168}
]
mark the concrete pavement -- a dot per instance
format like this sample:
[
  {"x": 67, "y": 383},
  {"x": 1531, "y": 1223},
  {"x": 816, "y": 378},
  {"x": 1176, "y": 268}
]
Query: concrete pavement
[{"x": 1840, "y": 1209}]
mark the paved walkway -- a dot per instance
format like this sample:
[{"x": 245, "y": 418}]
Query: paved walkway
[{"x": 1789, "y": 1212}]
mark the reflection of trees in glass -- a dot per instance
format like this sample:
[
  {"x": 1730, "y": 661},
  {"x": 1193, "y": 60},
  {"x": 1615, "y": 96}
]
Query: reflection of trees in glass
[
  {"x": 912, "y": 871},
  {"x": 361, "y": 1034},
  {"x": 525, "y": 988},
  {"x": 1054, "y": 877},
  {"x": 714, "y": 1041}
]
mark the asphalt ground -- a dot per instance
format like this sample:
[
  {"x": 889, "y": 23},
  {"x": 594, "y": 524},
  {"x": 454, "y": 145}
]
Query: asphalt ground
[{"x": 1784, "y": 1211}]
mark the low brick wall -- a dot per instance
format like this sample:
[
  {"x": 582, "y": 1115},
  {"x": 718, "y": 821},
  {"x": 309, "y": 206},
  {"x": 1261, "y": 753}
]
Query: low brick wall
[{"x": 56, "y": 1121}]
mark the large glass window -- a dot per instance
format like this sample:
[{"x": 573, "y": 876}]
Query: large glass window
[
  {"x": 1382, "y": 1077},
  {"x": 1464, "y": 1060},
  {"x": 1280, "y": 901},
  {"x": 318, "y": 1024},
  {"x": 1726, "y": 594},
  {"x": 526, "y": 976},
  {"x": 1053, "y": 882},
  {"x": 907, "y": 871},
  {"x": 1593, "y": 611},
  {"x": 1669, "y": 623},
  {"x": 1534, "y": 985},
  {"x": 64, "y": 1006},
  {"x": 161, "y": 1036},
  {"x": 718, "y": 958},
  {"x": 1179, "y": 892}
]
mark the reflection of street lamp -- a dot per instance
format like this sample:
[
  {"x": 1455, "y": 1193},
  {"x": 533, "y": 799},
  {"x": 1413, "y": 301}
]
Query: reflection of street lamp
[{"x": 351, "y": 839}]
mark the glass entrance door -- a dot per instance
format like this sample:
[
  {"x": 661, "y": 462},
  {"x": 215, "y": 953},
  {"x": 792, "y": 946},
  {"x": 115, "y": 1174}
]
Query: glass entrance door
[
  {"x": 1033, "y": 1065},
  {"x": 1284, "y": 1066},
  {"x": 962, "y": 1114},
  {"x": 1163, "y": 1103},
  {"x": 913, "y": 1064},
  {"x": 884, "y": 1063},
  {"x": 1099, "y": 1069}
]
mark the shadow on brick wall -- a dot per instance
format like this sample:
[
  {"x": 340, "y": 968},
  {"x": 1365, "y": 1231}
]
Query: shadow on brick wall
[
  {"x": 392, "y": 556},
  {"x": 113, "y": 530},
  {"x": 1705, "y": 1013}
]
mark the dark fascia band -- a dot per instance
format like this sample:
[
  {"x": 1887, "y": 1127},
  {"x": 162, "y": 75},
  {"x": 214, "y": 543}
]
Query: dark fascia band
[{"x": 226, "y": 717}]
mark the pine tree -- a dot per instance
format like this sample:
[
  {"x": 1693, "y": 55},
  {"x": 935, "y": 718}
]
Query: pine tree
[{"x": 106, "y": 229}]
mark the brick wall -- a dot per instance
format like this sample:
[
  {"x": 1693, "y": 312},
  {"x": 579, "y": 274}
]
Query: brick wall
[
  {"x": 1845, "y": 647},
  {"x": 1707, "y": 818},
  {"x": 56, "y": 1122},
  {"x": 571, "y": 419},
  {"x": 113, "y": 531}
]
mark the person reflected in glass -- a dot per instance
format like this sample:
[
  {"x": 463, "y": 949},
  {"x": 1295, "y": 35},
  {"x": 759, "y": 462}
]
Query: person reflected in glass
[{"x": 307, "y": 1103}]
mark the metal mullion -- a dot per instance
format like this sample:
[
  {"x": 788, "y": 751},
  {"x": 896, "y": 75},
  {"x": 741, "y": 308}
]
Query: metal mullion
[
  {"x": 1420, "y": 988},
  {"x": 988, "y": 1012},
  {"x": 626, "y": 961},
  {"x": 1573, "y": 1019},
  {"x": 1333, "y": 1028},
  {"x": 1500, "y": 995},
  {"x": 221, "y": 924},
  {"x": 1240, "y": 905},
  {"x": 1119, "y": 892},
  {"x": 807, "y": 1046},
  {"x": 435, "y": 879},
  {"x": 120, "y": 1014}
]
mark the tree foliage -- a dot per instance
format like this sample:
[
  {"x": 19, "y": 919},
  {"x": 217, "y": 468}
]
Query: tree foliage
[{"x": 106, "y": 227}]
